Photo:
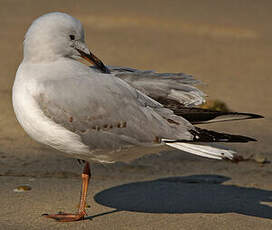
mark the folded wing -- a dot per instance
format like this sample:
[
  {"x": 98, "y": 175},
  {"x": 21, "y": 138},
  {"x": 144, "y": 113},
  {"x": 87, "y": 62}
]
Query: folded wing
[
  {"x": 176, "y": 91},
  {"x": 176, "y": 86}
]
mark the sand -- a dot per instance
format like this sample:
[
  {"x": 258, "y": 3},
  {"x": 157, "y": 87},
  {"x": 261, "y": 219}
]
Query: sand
[{"x": 226, "y": 44}]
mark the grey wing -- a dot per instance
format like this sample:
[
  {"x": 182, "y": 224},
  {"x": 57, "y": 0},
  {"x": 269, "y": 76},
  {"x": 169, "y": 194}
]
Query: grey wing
[
  {"x": 107, "y": 113},
  {"x": 173, "y": 86}
]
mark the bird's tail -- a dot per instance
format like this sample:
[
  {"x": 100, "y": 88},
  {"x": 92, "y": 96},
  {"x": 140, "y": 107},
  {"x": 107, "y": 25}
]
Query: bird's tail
[
  {"x": 206, "y": 151},
  {"x": 204, "y": 144}
]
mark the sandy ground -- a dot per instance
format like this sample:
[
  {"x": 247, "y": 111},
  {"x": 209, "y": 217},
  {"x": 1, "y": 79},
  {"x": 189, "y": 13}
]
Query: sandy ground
[{"x": 226, "y": 44}]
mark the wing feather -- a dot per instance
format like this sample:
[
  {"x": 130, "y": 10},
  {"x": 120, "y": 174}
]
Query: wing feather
[
  {"x": 175, "y": 86},
  {"x": 108, "y": 113}
]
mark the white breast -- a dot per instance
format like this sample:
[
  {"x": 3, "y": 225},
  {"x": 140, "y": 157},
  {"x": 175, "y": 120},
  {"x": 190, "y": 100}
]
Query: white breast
[{"x": 35, "y": 123}]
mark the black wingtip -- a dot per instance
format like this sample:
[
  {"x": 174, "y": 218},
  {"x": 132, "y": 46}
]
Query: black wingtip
[
  {"x": 204, "y": 135},
  {"x": 245, "y": 139},
  {"x": 250, "y": 115},
  {"x": 255, "y": 116}
]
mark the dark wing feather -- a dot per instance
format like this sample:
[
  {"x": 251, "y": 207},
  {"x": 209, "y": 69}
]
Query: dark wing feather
[
  {"x": 204, "y": 135},
  {"x": 200, "y": 115}
]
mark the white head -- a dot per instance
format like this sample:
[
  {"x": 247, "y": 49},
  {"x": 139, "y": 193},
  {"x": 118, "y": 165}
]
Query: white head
[{"x": 57, "y": 35}]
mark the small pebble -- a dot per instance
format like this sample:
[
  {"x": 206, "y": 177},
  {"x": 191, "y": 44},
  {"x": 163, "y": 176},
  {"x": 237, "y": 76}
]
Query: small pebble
[
  {"x": 260, "y": 158},
  {"x": 22, "y": 188}
]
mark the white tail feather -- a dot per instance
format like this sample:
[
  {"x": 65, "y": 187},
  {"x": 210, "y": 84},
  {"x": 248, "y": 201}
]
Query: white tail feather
[{"x": 204, "y": 151}]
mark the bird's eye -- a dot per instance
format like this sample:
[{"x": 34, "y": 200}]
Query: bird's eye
[{"x": 72, "y": 37}]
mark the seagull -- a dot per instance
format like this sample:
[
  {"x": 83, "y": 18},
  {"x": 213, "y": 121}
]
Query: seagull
[{"x": 101, "y": 113}]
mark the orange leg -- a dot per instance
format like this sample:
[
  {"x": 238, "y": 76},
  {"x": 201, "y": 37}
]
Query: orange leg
[{"x": 68, "y": 217}]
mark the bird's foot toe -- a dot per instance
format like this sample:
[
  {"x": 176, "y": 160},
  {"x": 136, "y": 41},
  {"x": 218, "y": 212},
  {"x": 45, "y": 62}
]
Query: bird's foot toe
[{"x": 65, "y": 217}]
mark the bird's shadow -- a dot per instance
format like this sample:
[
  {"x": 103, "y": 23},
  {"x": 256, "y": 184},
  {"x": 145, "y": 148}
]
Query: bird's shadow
[{"x": 190, "y": 194}]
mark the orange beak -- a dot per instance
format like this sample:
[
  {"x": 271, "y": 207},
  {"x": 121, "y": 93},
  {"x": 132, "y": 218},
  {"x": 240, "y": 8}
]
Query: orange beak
[{"x": 94, "y": 60}]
